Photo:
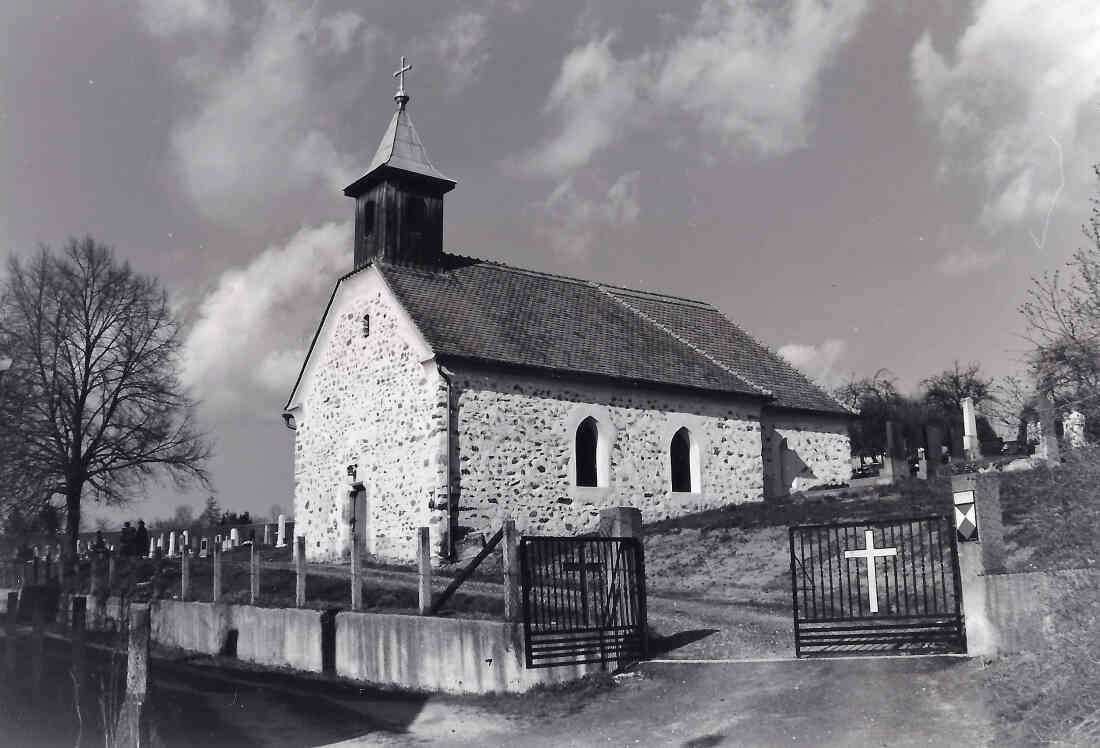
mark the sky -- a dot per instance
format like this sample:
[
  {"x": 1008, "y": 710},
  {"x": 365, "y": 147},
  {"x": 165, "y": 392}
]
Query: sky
[{"x": 860, "y": 184}]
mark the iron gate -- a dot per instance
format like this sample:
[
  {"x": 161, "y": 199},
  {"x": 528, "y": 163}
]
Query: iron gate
[
  {"x": 880, "y": 587},
  {"x": 583, "y": 600}
]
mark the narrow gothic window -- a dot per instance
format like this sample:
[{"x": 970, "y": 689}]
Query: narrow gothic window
[
  {"x": 368, "y": 218},
  {"x": 588, "y": 436},
  {"x": 680, "y": 454}
]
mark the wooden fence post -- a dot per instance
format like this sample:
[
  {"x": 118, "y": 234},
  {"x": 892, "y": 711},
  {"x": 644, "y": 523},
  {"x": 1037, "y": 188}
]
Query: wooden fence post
[
  {"x": 254, "y": 575},
  {"x": 356, "y": 575},
  {"x": 185, "y": 573},
  {"x": 9, "y": 630},
  {"x": 217, "y": 573},
  {"x": 300, "y": 570},
  {"x": 128, "y": 727},
  {"x": 424, "y": 557},
  {"x": 510, "y": 550}
]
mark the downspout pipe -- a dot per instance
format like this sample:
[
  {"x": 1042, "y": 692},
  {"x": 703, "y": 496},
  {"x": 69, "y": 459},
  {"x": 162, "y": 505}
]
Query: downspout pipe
[{"x": 446, "y": 375}]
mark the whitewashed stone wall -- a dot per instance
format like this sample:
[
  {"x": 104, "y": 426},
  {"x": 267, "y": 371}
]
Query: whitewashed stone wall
[
  {"x": 819, "y": 449},
  {"x": 515, "y": 440},
  {"x": 370, "y": 401}
]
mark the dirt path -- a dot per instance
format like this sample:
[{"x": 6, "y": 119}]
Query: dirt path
[{"x": 880, "y": 702}]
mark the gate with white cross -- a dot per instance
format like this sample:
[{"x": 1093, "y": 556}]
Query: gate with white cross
[{"x": 877, "y": 587}]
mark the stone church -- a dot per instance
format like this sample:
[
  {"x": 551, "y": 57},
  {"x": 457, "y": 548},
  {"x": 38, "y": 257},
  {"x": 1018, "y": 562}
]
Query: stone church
[{"x": 445, "y": 391}]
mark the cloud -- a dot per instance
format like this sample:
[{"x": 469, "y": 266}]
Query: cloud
[
  {"x": 576, "y": 212},
  {"x": 259, "y": 132},
  {"x": 1018, "y": 89},
  {"x": 169, "y": 17},
  {"x": 968, "y": 260},
  {"x": 250, "y": 329},
  {"x": 818, "y": 362},
  {"x": 459, "y": 48},
  {"x": 594, "y": 98},
  {"x": 748, "y": 75}
]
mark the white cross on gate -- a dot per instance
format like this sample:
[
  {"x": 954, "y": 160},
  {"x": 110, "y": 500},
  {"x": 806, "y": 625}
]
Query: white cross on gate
[{"x": 871, "y": 553}]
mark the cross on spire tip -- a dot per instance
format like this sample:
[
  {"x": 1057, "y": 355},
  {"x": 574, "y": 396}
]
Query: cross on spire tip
[{"x": 401, "y": 97}]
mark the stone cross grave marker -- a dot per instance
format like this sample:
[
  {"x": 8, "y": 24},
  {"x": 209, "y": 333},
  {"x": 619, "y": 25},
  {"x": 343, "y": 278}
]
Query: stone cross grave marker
[{"x": 871, "y": 553}]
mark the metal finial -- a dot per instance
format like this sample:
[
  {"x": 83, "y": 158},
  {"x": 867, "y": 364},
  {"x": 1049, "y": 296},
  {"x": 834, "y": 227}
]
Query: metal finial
[{"x": 401, "y": 97}]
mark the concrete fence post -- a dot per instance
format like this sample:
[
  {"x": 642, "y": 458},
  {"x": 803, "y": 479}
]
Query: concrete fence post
[
  {"x": 217, "y": 573},
  {"x": 300, "y": 571},
  {"x": 424, "y": 563},
  {"x": 128, "y": 727},
  {"x": 977, "y": 496},
  {"x": 254, "y": 575},
  {"x": 12, "y": 615},
  {"x": 185, "y": 573},
  {"x": 513, "y": 601},
  {"x": 356, "y": 575}
]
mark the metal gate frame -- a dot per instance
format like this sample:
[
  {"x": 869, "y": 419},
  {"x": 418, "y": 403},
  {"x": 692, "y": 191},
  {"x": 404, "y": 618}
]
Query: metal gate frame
[
  {"x": 834, "y": 617},
  {"x": 565, "y": 621}
]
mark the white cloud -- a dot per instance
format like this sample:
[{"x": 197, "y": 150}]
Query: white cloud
[
  {"x": 594, "y": 97},
  {"x": 259, "y": 130},
  {"x": 818, "y": 362},
  {"x": 572, "y": 216},
  {"x": 749, "y": 76},
  {"x": 968, "y": 260},
  {"x": 459, "y": 48},
  {"x": 247, "y": 341},
  {"x": 1019, "y": 87},
  {"x": 169, "y": 17}
]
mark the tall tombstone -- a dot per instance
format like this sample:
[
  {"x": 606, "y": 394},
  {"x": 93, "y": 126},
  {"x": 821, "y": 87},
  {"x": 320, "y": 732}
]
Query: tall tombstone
[
  {"x": 267, "y": 535},
  {"x": 280, "y": 542},
  {"x": 152, "y": 547},
  {"x": 894, "y": 465},
  {"x": 204, "y": 547},
  {"x": 234, "y": 537},
  {"x": 1048, "y": 438},
  {"x": 1073, "y": 428},
  {"x": 161, "y": 543},
  {"x": 931, "y": 462},
  {"x": 971, "y": 445},
  {"x": 173, "y": 548},
  {"x": 185, "y": 539}
]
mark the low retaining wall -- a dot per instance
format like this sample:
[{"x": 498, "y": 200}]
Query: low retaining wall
[
  {"x": 440, "y": 654},
  {"x": 278, "y": 637},
  {"x": 1022, "y": 607}
]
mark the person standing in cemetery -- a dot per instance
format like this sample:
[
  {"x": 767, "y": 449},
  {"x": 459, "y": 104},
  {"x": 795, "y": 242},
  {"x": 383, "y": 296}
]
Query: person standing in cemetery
[{"x": 141, "y": 539}]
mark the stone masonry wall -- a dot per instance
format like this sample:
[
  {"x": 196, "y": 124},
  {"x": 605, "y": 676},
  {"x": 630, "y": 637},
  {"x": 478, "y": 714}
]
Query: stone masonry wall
[
  {"x": 515, "y": 440},
  {"x": 371, "y": 401},
  {"x": 818, "y": 451}
]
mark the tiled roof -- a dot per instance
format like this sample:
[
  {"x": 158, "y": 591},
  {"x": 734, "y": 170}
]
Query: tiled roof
[{"x": 493, "y": 312}]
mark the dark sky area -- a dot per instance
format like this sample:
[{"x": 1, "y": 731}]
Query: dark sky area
[{"x": 860, "y": 184}]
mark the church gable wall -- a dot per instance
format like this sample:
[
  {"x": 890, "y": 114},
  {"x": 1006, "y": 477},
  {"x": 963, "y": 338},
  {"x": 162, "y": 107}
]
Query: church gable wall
[
  {"x": 817, "y": 451},
  {"x": 515, "y": 452},
  {"x": 369, "y": 401}
]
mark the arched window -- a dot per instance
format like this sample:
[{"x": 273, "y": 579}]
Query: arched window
[
  {"x": 680, "y": 456},
  {"x": 588, "y": 437}
]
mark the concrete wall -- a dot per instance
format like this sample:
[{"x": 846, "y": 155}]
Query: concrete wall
[
  {"x": 1022, "y": 608},
  {"x": 277, "y": 637},
  {"x": 439, "y": 654}
]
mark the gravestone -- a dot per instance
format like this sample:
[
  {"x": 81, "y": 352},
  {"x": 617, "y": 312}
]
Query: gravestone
[
  {"x": 186, "y": 540},
  {"x": 172, "y": 547},
  {"x": 894, "y": 464},
  {"x": 971, "y": 445},
  {"x": 932, "y": 461},
  {"x": 152, "y": 547},
  {"x": 1073, "y": 427},
  {"x": 1048, "y": 438},
  {"x": 160, "y": 543},
  {"x": 204, "y": 547},
  {"x": 267, "y": 535},
  {"x": 235, "y": 537},
  {"x": 280, "y": 542}
]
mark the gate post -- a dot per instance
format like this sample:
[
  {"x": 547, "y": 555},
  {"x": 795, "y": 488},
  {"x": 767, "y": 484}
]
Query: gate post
[
  {"x": 510, "y": 550},
  {"x": 982, "y": 493}
]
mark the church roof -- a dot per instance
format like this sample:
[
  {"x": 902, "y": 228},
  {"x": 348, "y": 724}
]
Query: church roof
[
  {"x": 401, "y": 148},
  {"x": 495, "y": 313}
]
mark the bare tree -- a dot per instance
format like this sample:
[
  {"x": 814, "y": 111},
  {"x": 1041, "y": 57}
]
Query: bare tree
[{"x": 95, "y": 354}]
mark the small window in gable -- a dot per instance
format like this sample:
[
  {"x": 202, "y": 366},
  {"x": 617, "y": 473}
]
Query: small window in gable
[{"x": 588, "y": 438}]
